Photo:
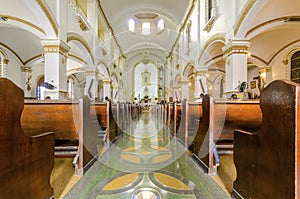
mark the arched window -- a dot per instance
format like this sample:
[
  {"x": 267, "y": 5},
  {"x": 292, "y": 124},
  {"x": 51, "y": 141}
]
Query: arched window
[
  {"x": 146, "y": 28},
  {"x": 40, "y": 89},
  {"x": 221, "y": 87},
  {"x": 160, "y": 25},
  {"x": 1, "y": 67},
  {"x": 295, "y": 67},
  {"x": 131, "y": 25},
  {"x": 70, "y": 82},
  {"x": 209, "y": 9}
]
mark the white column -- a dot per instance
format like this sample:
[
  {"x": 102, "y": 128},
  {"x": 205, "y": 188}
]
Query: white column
[
  {"x": 200, "y": 84},
  {"x": 106, "y": 88},
  {"x": 185, "y": 89},
  {"x": 115, "y": 94},
  {"x": 236, "y": 54},
  {"x": 3, "y": 65},
  {"x": 91, "y": 85},
  {"x": 176, "y": 93},
  {"x": 55, "y": 53}
]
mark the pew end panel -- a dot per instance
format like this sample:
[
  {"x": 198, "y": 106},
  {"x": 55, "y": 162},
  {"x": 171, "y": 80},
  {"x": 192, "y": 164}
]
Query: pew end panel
[
  {"x": 26, "y": 161},
  {"x": 267, "y": 162},
  {"x": 202, "y": 145},
  {"x": 75, "y": 131}
]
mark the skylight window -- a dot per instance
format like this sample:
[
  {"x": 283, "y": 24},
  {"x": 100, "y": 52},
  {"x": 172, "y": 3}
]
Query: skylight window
[
  {"x": 146, "y": 28},
  {"x": 160, "y": 25},
  {"x": 131, "y": 25}
]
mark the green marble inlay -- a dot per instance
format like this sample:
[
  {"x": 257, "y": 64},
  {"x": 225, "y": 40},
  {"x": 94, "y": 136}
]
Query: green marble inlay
[{"x": 177, "y": 164}]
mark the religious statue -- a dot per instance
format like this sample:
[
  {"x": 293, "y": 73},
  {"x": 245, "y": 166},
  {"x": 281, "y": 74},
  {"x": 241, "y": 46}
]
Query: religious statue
[{"x": 28, "y": 84}]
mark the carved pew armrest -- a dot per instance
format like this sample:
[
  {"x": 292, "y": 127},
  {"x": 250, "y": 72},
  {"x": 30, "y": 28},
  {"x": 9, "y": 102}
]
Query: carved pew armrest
[
  {"x": 242, "y": 132},
  {"x": 43, "y": 134}
]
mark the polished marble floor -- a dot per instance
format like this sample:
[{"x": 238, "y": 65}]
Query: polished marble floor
[{"x": 145, "y": 162}]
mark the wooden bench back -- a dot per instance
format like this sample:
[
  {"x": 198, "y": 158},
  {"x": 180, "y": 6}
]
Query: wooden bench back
[
  {"x": 69, "y": 121},
  {"x": 61, "y": 117},
  {"x": 99, "y": 109},
  {"x": 267, "y": 161},
  {"x": 219, "y": 120},
  {"x": 26, "y": 162}
]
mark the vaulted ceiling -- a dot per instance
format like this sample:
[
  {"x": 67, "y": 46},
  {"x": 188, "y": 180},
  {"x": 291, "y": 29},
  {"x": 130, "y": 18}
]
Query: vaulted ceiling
[{"x": 156, "y": 46}]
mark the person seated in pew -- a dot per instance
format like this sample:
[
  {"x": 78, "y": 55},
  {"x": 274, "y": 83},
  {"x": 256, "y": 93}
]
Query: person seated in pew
[{"x": 216, "y": 156}]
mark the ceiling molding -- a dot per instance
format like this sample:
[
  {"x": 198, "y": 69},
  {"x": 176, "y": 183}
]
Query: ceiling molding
[
  {"x": 13, "y": 52},
  {"x": 272, "y": 21},
  {"x": 242, "y": 17},
  {"x": 24, "y": 22},
  {"x": 49, "y": 15},
  {"x": 186, "y": 19},
  {"x": 109, "y": 27}
]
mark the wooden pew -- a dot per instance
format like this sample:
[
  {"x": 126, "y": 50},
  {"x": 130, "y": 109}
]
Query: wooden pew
[
  {"x": 26, "y": 161},
  {"x": 75, "y": 132},
  {"x": 220, "y": 119},
  {"x": 99, "y": 110},
  {"x": 267, "y": 161},
  {"x": 187, "y": 119}
]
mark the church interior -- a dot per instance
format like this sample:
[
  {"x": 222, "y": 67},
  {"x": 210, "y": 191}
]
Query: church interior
[{"x": 141, "y": 99}]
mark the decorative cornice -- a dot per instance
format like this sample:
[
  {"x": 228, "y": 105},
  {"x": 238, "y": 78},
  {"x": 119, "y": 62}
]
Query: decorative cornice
[
  {"x": 280, "y": 19},
  {"x": 209, "y": 24},
  {"x": 236, "y": 47},
  {"x": 245, "y": 12},
  {"x": 24, "y": 22},
  {"x": 55, "y": 46},
  {"x": 49, "y": 15}
]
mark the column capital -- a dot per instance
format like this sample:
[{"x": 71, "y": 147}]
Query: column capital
[
  {"x": 55, "y": 46},
  {"x": 91, "y": 71},
  {"x": 236, "y": 47},
  {"x": 26, "y": 69},
  {"x": 106, "y": 81},
  {"x": 184, "y": 82},
  {"x": 201, "y": 72}
]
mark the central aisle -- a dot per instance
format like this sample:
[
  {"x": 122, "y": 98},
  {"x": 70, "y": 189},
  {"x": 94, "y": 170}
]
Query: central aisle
[{"x": 146, "y": 162}]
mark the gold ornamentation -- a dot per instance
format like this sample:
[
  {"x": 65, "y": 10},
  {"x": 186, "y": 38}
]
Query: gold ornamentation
[
  {"x": 49, "y": 15},
  {"x": 236, "y": 50},
  {"x": 24, "y": 22},
  {"x": 5, "y": 61},
  {"x": 243, "y": 16},
  {"x": 209, "y": 24},
  {"x": 55, "y": 46},
  {"x": 82, "y": 24},
  {"x": 285, "y": 61},
  {"x": 26, "y": 69}
]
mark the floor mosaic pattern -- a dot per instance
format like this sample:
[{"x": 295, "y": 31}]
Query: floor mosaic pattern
[{"x": 146, "y": 162}]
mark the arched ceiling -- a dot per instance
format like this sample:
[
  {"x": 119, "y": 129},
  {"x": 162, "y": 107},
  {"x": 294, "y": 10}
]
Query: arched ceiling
[
  {"x": 275, "y": 27},
  {"x": 173, "y": 12}
]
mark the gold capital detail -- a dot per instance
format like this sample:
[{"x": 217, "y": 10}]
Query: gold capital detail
[
  {"x": 26, "y": 69},
  {"x": 236, "y": 50}
]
